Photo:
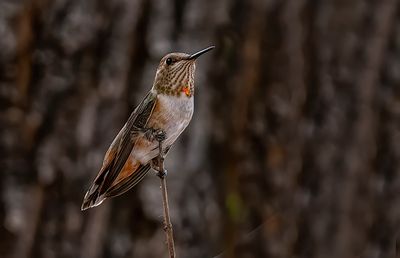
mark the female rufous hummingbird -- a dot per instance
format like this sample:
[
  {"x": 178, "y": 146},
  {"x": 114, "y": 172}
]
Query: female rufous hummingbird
[{"x": 161, "y": 117}]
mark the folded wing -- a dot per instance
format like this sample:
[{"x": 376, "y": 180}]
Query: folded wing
[{"x": 117, "y": 156}]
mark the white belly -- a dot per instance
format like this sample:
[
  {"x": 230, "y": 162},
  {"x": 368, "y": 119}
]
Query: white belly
[{"x": 178, "y": 113}]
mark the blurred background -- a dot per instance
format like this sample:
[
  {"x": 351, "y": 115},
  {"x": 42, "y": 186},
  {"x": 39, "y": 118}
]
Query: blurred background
[{"x": 293, "y": 150}]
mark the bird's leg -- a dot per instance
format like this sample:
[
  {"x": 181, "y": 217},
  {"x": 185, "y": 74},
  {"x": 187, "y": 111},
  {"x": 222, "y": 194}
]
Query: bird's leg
[
  {"x": 152, "y": 134},
  {"x": 159, "y": 135},
  {"x": 155, "y": 164},
  {"x": 161, "y": 171},
  {"x": 158, "y": 162}
]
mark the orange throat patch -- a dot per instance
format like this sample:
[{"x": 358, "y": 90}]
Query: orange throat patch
[{"x": 186, "y": 90}]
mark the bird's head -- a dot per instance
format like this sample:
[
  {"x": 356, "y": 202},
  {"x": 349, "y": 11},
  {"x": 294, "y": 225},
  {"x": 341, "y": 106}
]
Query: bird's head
[{"x": 175, "y": 73}]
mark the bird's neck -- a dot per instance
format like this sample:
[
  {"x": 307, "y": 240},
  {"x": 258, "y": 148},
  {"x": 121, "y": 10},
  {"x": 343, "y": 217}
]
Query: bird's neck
[{"x": 182, "y": 90}]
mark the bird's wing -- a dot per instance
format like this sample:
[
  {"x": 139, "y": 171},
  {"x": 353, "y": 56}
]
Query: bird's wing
[
  {"x": 137, "y": 120},
  {"x": 128, "y": 182},
  {"x": 119, "y": 151}
]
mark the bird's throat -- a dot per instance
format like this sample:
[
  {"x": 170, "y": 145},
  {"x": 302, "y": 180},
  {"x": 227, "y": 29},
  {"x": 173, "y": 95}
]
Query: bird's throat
[{"x": 184, "y": 90}]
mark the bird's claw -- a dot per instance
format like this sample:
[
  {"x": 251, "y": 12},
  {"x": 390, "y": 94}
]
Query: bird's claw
[
  {"x": 155, "y": 134},
  {"x": 162, "y": 174},
  {"x": 160, "y": 135}
]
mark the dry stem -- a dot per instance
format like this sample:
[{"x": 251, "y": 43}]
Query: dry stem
[{"x": 167, "y": 221}]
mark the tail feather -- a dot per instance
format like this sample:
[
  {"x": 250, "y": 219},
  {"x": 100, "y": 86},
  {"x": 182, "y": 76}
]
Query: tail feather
[
  {"x": 92, "y": 197},
  {"x": 124, "y": 181}
]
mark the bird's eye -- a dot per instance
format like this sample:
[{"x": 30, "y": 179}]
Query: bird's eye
[{"x": 168, "y": 61}]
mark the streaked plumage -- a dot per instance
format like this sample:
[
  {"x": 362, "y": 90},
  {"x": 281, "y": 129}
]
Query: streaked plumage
[{"x": 169, "y": 107}]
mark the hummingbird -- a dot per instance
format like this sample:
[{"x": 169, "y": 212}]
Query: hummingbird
[{"x": 161, "y": 117}]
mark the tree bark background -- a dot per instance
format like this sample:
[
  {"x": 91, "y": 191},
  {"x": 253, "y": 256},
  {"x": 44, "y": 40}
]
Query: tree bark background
[{"x": 293, "y": 150}]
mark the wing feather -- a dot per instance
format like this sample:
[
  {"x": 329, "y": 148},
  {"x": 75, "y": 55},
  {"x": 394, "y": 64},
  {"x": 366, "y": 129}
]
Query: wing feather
[
  {"x": 119, "y": 152},
  {"x": 137, "y": 120},
  {"x": 128, "y": 182}
]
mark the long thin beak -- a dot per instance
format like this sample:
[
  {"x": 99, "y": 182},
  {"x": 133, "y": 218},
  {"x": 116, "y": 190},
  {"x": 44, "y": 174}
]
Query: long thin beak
[{"x": 197, "y": 54}]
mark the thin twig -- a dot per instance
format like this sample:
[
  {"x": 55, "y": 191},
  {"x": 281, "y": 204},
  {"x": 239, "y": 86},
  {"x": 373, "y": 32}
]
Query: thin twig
[{"x": 167, "y": 221}]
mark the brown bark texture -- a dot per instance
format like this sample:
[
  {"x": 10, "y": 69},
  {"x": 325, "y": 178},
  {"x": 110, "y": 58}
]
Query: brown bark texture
[{"x": 293, "y": 150}]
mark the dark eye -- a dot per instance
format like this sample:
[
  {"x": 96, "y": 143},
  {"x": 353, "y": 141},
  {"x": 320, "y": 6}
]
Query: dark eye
[{"x": 168, "y": 61}]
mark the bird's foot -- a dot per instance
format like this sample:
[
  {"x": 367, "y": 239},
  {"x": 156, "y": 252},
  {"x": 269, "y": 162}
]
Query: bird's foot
[
  {"x": 155, "y": 134},
  {"x": 158, "y": 165},
  {"x": 162, "y": 174},
  {"x": 160, "y": 135},
  {"x": 155, "y": 163}
]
